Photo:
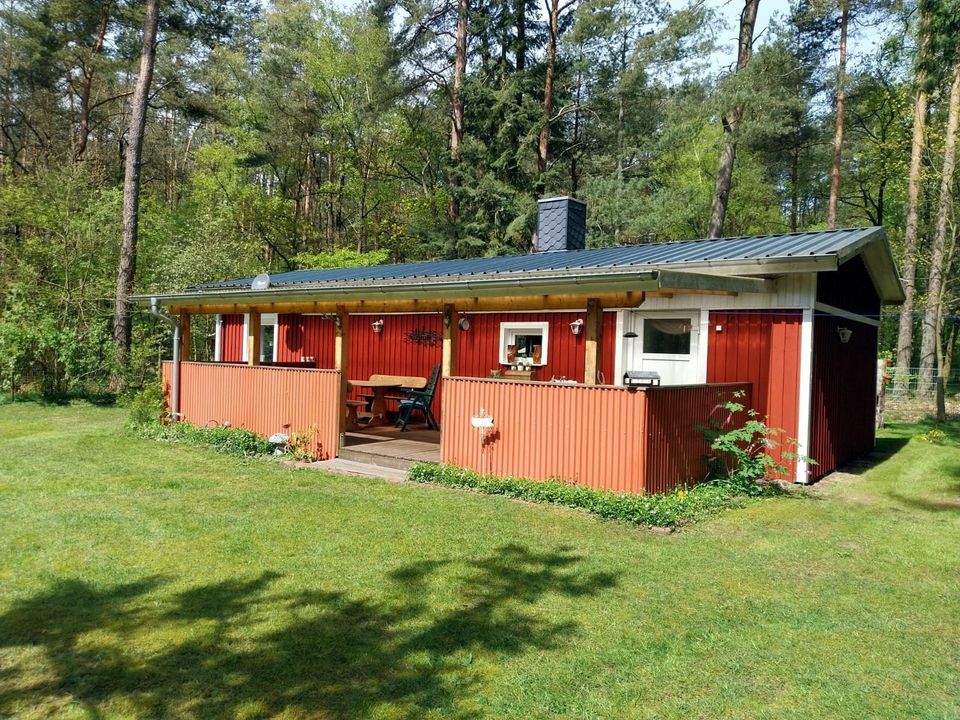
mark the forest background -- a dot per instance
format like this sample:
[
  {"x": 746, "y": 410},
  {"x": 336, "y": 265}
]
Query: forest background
[{"x": 147, "y": 145}]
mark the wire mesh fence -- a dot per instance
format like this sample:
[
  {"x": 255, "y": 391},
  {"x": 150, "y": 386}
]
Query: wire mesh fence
[{"x": 910, "y": 395}]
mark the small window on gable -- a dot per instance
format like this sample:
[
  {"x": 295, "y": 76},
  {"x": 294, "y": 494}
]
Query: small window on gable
[{"x": 524, "y": 340}]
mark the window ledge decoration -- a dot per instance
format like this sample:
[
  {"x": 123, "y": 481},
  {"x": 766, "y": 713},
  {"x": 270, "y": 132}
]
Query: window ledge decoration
[{"x": 423, "y": 336}]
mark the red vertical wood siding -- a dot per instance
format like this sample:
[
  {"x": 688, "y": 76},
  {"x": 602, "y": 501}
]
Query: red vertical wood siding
[
  {"x": 599, "y": 436},
  {"x": 676, "y": 446},
  {"x": 844, "y": 387},
  {"x": 391, "y": 352},
  {"x": 231, "y": 338},
  {"x": 843, "y": 384},
  {"x": 266, "y": 400},
  {"x": 591, "y": 436},
  {"x": 300, "y": 336},
  {"x": 761, "y": 347},
  {"x": 479, "y": 347}
]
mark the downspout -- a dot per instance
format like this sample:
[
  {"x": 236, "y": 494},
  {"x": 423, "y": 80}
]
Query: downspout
[{"x": 175, "y": 388}]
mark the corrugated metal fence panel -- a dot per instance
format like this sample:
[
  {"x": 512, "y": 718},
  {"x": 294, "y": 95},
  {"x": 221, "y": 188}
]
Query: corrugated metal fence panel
[
  {"x": 231, "y": 338},
  {"x": 675, "y": 443},
  {"x": 266, "y": 400},
  {"x": 761, "y": 347},
  {"x": 479, "y": 347},
  {"x": 301, "y": 336},
  {"x": 591, "y": 436},
  {"x": 844, "y": 389},
  {"x": 394, "y": 351}
]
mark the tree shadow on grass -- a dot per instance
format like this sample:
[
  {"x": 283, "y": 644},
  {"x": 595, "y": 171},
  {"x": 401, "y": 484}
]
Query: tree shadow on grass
[
  {"x": 934, "y": 503},
  {"x": 246, "y": 647}
]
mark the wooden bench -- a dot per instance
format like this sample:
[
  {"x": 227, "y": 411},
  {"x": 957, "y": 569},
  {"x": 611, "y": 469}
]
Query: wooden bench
[
  {"x": 405, "y": 381},
  {"x": 408, "y": 382}
]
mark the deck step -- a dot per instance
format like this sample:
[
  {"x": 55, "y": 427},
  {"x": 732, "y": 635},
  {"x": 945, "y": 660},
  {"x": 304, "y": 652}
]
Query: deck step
[
  {"x": 370, "y": 456},
  {"x": 342, "y": 466}
]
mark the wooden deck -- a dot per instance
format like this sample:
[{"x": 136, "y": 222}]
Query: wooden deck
[{"x": 388, "y": 447}]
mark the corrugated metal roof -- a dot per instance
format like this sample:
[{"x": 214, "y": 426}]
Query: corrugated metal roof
[{"x": 692, "y": 252}]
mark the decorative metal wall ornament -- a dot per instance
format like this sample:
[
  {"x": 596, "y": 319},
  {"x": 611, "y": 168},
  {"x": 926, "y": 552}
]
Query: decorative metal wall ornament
[{"x": 423, "y": 336}]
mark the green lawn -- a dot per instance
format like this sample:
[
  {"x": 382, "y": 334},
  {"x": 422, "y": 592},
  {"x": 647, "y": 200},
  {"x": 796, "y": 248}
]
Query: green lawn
[{"x": 139, "y": 579}]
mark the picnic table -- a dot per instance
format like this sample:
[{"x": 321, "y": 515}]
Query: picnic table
[{"x": 381, "y": 386}]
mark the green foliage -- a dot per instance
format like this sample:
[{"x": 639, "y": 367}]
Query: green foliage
[
  {"x": 666, "y": 510},
  {"x": 934, "y": 436},
  {"x": 341, "y": 258},
  {"x": 743, "y": 456},
  {"x": 232, "y": 441},
  {"x": 266, "y": 150},
  {"x": 149, "y": 407}
]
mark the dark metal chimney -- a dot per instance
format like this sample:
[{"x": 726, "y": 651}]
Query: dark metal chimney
[{"x": 561, "y": 224}]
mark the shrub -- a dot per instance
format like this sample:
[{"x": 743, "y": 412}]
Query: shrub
[
  {"x": 232, "y": 441},
  {"x": 148, "y": 406},
  {"x": 743, "y": 453},
  {"x": 934, "y": 436},
  {"x": 667, "y": 510}
]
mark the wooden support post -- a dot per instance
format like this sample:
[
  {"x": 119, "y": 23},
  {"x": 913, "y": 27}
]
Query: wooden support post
[
  {"x": 451, "y": 338},
  {"x": 185, "y": 336},
  {"x": 341, "y": 361},
  {"x": 592, "y": 330},
  {"x": 253, "y": 338}
]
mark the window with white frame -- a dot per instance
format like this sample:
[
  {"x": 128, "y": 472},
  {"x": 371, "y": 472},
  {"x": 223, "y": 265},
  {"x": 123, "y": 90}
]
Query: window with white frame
[
  {"x": 524, "y": 340},
  {"x": 268, "y": 337},
  {"x": 667, "y": 336}
]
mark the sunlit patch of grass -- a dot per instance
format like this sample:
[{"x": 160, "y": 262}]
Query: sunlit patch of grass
[{"x": 140, "y": 579}]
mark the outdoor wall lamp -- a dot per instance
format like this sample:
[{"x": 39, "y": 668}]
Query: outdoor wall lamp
[
  {"x": 464, "y": 323},
  {"x": 576, "y": 326},
  {"x": 845, "y": 334},
  {"x": 377, "y": 326}
]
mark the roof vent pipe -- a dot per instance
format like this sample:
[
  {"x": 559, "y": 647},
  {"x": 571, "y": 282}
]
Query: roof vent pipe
[
  {"x": 175, "y": 384},
  {"x": 561, "y": 224}
]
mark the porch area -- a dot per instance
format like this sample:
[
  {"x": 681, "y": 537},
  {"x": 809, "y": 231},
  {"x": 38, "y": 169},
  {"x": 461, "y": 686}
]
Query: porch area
[
  {"x": 639, "y": 440},
  {"x": 391, "y": 448}
]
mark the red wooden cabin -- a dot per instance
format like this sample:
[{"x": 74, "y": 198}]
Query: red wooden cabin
[{"x": 791, "y": 319}]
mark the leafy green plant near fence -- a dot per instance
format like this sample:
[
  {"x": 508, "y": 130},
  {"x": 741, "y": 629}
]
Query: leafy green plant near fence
[
  {"x": 682, "y": 507},
  {"x": 150, "y": 418},
  {"x": 232, "y": 441},
  {"x": 742, "y": 456}
]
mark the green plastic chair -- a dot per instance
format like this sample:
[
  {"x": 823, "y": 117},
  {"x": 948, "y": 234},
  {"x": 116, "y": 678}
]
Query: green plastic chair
[{"x": 420, "y": 400}]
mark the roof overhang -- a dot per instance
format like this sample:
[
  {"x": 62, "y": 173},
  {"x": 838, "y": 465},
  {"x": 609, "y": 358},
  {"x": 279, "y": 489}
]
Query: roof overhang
[
  {"x": 877, "y": 256},
  {"x": 584, "y": 283}
]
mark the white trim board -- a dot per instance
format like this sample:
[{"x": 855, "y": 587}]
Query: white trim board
[
  {"x": 846, "y": 314},
  {"x": 806, "y": 393},
  {"x": 218, "y": 339}
]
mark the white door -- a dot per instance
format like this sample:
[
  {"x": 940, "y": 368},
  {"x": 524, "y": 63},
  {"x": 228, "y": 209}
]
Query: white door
[{"x": 664, "y": 342}]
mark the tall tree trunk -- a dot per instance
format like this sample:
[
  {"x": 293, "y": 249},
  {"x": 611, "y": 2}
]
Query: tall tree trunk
[
  {"x": 553, "y": 29},
  {"x": 838, "y": 127},
  {"x": 911, "y": 231},
  {"x": 574, "y": 156},
  {"x": 930, "y": 336},
  {"x": 795, "y": 184},
  {"x": 456, "y": 109},
  {"x": 131, "y": 194},
  {"x": 621, "y": 109},
  {"x": 86, "y": 90},
  {"x": 521, "y": 27},
  {"x": 728, "y": 155}
]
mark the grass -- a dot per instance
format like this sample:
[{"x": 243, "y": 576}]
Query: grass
[{"x": 142, "y": 580}]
